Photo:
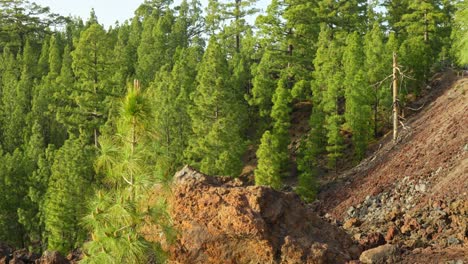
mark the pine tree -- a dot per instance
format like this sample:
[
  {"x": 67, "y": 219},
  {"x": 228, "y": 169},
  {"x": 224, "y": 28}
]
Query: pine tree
[
  {"x": 70, "y": 186},
  {"x": 271, "y": 28},
  {"x": 162, "y": 34},
  {"x": 377, "y": 59},
  {"x": 171, "y": 93},
  {"x": 64, "y": 106},
  {"x": 414, "y": 54},
  {"x": 264, "y": 83},
  {"x": 155, "y": 49},
  {"x": 12, "y": 178},
  {"x": 302, "y": 30},
  {"x": 37, "y": 167},
  {"x": 313, "y": 144},
  {"x": 395, "y": 11},
  {"x": 268, "y": 171},
  {"x": 39, "y": 181},
  {"x": 217, "y": 145},
  {"x": 241, "y": 77},
  {"x": 358, "y": 114},
  {"x": 422, "y": 19},
  {"x": 328, "y": 78},
  {"x": 274, "y": 146},
  {"x": 119, "y": 210},
  {"x": 94, "y": 88},
  {"x": 307, "y": 164},
  {"x": 280, "y": 114},
  {"x": 43, "y": 62},
  {"x": 42, "y": 101},
  {"x": 123, "y": 59},
  {"x": 188, "y": 25},
  {"x": 235, "y": 11},
  {"x": 460, "y": 33},
  {"x": 146, "y": 58},
  {"x": 11, "y": 113},
  {"x": 343, "y": 15},
  {"x": 420, "y": 47}
]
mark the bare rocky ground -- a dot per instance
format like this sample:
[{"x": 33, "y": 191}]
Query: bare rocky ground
[{"x": 412, "y": 194}]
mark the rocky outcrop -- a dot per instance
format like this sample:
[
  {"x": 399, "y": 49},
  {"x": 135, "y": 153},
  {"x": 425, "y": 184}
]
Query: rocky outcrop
[
  {"x": 9, "y": 255},
  {"x": 219, "y": 220}
]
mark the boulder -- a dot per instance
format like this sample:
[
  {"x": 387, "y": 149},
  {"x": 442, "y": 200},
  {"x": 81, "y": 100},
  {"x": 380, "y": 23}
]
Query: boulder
[
  {"x": 52, "y": 257},
  {"x": 220, "y": 220},
  {"x": 379, "y": 255}
]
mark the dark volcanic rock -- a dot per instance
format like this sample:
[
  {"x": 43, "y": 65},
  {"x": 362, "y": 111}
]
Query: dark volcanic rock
[{"x": 5, "y": 253}]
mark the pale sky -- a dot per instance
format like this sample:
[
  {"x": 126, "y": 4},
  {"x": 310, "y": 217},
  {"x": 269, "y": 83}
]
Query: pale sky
[{"x": 107, "y": 11}]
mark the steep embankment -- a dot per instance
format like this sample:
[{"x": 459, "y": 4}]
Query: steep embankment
[{"x": 413, "y": 193}]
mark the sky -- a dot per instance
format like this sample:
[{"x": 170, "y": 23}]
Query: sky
[{"x": 107, "y": 11}]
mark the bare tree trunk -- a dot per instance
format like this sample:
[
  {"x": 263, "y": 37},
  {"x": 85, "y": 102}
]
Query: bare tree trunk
[
  {"x": 237, "y": 15},
  {"x": 395, "y": 97}
]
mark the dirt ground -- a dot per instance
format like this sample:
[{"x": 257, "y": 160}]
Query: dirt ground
[{"x": 432, "y": 148}]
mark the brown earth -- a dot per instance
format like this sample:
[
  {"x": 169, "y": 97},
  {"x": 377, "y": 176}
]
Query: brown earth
[
  {"x": 220, "y": 220},
  {"x": 413, "y": 192},
  {"x": 434, "y": 140}
]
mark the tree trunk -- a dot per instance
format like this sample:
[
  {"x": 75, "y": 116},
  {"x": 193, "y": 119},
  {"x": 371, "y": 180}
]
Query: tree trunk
[{"x": 395, "y": 98}]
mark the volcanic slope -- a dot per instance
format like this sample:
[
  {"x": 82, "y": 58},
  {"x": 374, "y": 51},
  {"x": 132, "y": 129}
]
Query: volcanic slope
[{"x": 413, "y": 192}]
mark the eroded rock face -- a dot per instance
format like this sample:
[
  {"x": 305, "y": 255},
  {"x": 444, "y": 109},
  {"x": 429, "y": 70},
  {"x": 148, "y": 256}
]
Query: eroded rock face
[{"x": 219, "y": 220}]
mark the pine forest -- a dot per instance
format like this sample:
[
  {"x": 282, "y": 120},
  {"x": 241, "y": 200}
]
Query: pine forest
[{"x": 95, "y": 120}]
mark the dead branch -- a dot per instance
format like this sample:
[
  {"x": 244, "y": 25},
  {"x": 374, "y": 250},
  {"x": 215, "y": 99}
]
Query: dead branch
[
  {"x": 379, "y": 83},
  {"x": 415, "y": 109},
  {"x": 403, "y": 125}
]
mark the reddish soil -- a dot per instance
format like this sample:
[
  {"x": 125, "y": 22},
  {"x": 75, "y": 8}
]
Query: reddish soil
[
  {"x": 424, "y": 256},
  {"x": 434, "y": 140},
  {"x": 431, "y": 158}
]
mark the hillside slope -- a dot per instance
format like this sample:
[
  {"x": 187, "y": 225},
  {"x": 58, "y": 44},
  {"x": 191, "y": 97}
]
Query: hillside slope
[{"x": 414, "y": 192}]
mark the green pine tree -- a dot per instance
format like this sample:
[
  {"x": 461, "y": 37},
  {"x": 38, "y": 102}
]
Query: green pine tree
[
  {"x": 120, "y": 209},
  {"x": 268, "y": 171},
  {"x": 358, "y": 114},
  {"x": 11, "y": 113},
  {"x": 12, "y": 177},
  {"x": 274, "y": 146},
  {"x": 264, "y": 83},
  {"x": 328, "y": 77},
  {"x": 93, "y": 89},
  {"x": 280, "y": 114},
  {"x": 171, "y": 91},
  {"x": 217, "y": 145},
  {"x": 376, "y": 64},
  {"x": 70, "y": 187},
  {"x": 460, "y": 34}
]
